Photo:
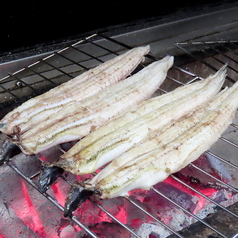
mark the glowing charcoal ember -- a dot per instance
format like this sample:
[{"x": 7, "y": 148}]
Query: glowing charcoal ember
[
  {"x": 183, "y": 198},
  {"x": 200, "y": 200},
  {"x": 9, "y": 218},
  {"x": 90, "y": 214},
  {"x": 60, "y": 195},
  {"x": 24, "y": 209},
  {"x": 30, "y": 216},
  {"x": 50, "y": 222},
  {"x": 169, "y": 213}
]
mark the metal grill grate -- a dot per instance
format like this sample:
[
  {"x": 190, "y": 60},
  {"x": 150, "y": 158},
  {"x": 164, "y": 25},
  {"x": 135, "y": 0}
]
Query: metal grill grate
[{"x": 196, "y": 60}]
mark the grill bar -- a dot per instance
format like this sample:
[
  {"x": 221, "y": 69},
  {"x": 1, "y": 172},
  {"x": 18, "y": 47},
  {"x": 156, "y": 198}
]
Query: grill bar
[
  {"x": 8, "y": 91},
  {"x": 191, "y": 214},
  {"x": 157, "y": 220},
  {"x": 201, "y": 194},
  {"x": 215, "y": 178},
  {"x": 114, "y": 218},
  {"x": 223, "y": 160},
  {"x": 27, "y": 85},
  {"x": 91, "y": 40},
  {"x": 226, "y": 56},
  {"x": 50, "y": 198},
  {"x": 201, "y": 60},
  {"x": 228, "y": 141}
]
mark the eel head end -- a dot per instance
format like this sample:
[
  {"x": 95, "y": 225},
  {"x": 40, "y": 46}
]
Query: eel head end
[
  {"x": 48, "y": 176},
  {"x": 76, "y": 196}
]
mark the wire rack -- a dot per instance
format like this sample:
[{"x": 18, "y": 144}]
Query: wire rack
[{"x": 196, "y": 60}]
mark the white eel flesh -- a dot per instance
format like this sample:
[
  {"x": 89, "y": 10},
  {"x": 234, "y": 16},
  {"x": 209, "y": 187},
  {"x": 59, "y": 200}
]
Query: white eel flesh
[
  {"x": 109, "y": 141},
  {"x": 57, "y": 100},
  {"x": 83, "y": 117},
  {"x": 185, "y": 140}
]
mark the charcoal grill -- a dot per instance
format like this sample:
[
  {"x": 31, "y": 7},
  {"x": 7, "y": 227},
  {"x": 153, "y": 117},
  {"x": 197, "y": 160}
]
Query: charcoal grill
[{"x": 196, "y": 56}]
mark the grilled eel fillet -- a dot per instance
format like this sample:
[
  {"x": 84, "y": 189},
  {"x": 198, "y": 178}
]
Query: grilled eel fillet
[
  {"x": 120, "y": 134},
  {"x": 168, "y": 150},
  {"x": 56, "y": 100},
  {"x": 80, "y": 118}
]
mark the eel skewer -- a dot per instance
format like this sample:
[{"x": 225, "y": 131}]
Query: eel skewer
[
  {"x": 38, "y": 109},
  {"x": 155, "y": 165},
  {"x": 93, "y": 112},
  {"x": 110, "y": 103},
  {"x": 163, "y": 152},
  {"x": 163, "y": 136},
  {"x": 111, "y": 140}
]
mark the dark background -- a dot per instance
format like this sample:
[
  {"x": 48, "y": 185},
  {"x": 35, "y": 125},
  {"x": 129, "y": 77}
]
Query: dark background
[{"x": 32, "y": 24}]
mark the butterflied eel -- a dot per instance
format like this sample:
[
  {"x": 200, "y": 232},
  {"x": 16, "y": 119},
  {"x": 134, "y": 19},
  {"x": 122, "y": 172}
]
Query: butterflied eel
[
  {"x": 56, "y": 100},
  {"x": 119, "y": 135},
  {"x": 95, "y": 110},
  {"x": 155, "y": 165},
  {"x": 163, "y": 136}
]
